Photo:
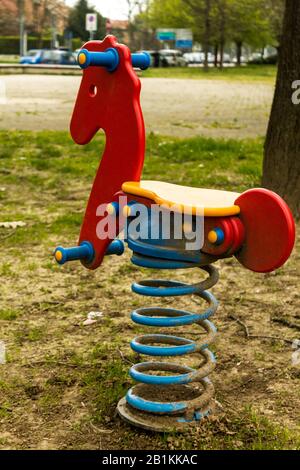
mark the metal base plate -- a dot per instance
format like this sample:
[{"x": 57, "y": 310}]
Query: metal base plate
[{"x": 153, "y": 422}]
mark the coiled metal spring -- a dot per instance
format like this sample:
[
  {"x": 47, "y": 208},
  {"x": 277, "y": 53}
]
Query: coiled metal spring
[{"x": 148, "y": 404}]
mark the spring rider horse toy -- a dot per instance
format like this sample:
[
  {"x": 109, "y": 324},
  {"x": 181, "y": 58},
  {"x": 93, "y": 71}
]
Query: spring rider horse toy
[{"x": 256, "y": 227}]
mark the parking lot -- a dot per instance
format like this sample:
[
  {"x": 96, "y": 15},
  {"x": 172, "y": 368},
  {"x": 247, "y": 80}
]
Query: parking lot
[{"x": 176, "y": 107}]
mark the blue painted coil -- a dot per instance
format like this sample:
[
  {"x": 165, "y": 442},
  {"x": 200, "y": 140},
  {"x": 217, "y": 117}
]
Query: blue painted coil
[{"x": 165, "y": 345}]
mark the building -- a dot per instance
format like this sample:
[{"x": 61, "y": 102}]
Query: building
[
  {"x": 40, "y": 16},
  {"x": 118, "y": 28},
  {"x": 9, "y": 23}
]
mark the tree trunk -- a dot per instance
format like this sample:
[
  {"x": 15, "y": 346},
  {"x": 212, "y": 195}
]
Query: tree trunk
[
  {"x": 222, "y": 13},
  {"x": 207, "y": 32},
  {"x": 221, "y": 54},
  {"x": 239, "y": 53},
  {"x": 131, "y": 35},
  {"x": 40, "y": 40},
  {"x": 281, "y": 167},
  {"x": 216, "y": 51}
]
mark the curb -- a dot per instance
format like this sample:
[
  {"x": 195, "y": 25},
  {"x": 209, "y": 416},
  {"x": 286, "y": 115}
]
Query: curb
[{"x": 9, "y": 69}]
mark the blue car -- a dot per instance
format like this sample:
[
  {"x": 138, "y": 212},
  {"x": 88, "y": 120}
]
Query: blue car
[{"x": 48, "y": 56}]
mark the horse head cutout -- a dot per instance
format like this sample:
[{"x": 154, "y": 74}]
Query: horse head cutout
[{"x": 109, "y": 99}]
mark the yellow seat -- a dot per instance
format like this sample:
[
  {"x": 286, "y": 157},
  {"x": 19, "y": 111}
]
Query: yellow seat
[{"x": 211, "y": 202}]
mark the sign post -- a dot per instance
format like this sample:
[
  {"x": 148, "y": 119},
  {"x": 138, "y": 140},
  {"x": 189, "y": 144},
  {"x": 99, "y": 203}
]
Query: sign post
[
  {"x": 21, "y": 26},
  {"x": 91, "y": 24},
  {"x": 166, "y": 34},
  {"x": 184, "y": 39}
]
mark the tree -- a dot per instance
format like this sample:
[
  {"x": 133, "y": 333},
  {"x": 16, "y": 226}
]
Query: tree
[
  {"x": 145, "y": 36},
  {"x": 194, "y": 14},
  {"x": 202, "y": 10},
  {"x": 77, "y": 21},
  {"x": 275, "y": 10},
  {"x": 220, "y": 33},
  {"x": 217, "y": 22},
  {"x": 222, "y": 15},
  {"x": 281, "y": 167},
  {"x": 249, "y": 24},
  {"x": 9, "y": 19},
  {"x": 44, "y": 18},
  {"x": 169, "y": 14},
  {"x": 136, "y": 19}
]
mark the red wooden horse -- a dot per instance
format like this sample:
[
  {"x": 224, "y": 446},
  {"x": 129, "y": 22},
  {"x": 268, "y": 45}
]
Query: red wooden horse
[
  {"x": 257, "y": 226},
  {"x": 109, "y": 101}
]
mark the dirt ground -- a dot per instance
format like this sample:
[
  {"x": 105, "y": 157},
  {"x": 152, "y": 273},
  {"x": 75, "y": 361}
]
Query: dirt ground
[
  {"x": 175, "y": 107},
  {"x": 45, "y": 385},
  {"x": 62, "y": 380}
]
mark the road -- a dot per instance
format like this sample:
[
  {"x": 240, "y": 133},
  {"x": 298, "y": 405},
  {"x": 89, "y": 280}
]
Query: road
[{"x": 178, "y": 107}]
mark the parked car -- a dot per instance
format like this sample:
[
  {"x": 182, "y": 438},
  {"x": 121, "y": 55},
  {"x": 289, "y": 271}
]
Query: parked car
[
  {"x": 48, "y": 56},
  {"x": 243, "y": 60},
  {"x": 198, "y": 58},
  {"x": 171, "y": 58},
  {"x": 193, "y": 58},
  {"x": 226, "y": 58},
  {"x": 257, "y": 59},
  {"x": 76, "y": 52},
  {"x": 154, "y": 57},
  {"x": 211, "y": 58}
]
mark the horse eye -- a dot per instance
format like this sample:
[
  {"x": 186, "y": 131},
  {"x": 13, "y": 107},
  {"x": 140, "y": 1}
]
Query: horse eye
[{"x": 93, "y": 91}]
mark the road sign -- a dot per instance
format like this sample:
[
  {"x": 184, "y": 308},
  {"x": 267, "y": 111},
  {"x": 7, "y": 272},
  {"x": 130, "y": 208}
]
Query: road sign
[
  {"x": 166, "y": 34},
  {"x": 184, "y": 34},
  {"x": 183, "y": 44},
  {"x": 184, "y": 39},
  {"x": 91, "y": 22}
]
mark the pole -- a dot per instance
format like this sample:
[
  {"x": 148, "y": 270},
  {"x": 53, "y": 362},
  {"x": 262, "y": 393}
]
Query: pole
[
  {"x": 53, "y": 28},
  {"x": 25, "y": 43},
  {"x": 22, "y": 26}
]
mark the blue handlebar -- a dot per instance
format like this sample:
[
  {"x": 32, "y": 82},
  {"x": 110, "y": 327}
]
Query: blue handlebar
[
  {"x": 115, "y": 248},
  {"x": 141, "y": 60},
  {"x": 110, "y": 59},
  {"x": 85, "y": 252}
]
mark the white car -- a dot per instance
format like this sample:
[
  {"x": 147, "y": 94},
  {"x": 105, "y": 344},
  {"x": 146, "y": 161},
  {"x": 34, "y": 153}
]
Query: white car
[
  {"x": 193, "y": 58},
  {"x": 171, "y": 58}
]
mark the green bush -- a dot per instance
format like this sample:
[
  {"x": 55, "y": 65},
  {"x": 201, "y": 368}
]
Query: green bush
[
  {"x": 11, "y": 44},
  {"x": 77, "y": 43}
]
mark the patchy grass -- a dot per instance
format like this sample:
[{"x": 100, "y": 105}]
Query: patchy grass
[
  {"x": 198, "y": 161},
  {"x": 62, "y": 380},
  {"x": 262, "y": 73},
  {"x": 7, "y": 314},
  {"x": 8, "y": 61}
]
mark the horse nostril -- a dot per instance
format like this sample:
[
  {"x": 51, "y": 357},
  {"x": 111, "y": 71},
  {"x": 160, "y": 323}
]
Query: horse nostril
[{"x": 93, "y": 91}]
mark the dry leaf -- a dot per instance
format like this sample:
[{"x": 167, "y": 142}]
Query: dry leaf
[{"x": 12, "y": 224}]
